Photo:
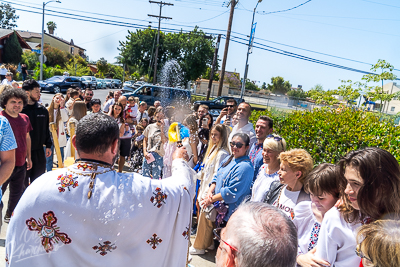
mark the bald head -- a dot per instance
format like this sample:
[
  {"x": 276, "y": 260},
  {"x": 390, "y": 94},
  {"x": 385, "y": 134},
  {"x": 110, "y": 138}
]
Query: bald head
[{"x": 122, "y": 100}]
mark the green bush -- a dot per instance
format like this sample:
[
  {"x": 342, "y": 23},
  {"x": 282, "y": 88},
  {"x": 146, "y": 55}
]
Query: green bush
[{"x": 329, "y": 134}]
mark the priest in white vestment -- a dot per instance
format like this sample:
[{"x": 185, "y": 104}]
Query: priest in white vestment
[{"x": 90, "y": 215}]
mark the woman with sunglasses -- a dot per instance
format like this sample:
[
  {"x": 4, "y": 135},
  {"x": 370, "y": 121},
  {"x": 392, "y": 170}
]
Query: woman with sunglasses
[
  {"x": 286, "y": 193},
  {"x": 273, "y": 145},
  {"x": 379, "y": 243},
  {"x": 232, "y": 182},
  {"x": 370, "y": 190},
  {"x": 217, "y": 151}
]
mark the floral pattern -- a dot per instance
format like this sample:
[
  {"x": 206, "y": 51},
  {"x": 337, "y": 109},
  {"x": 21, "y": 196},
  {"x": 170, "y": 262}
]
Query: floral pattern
[
  {"x": 314, "y": 236},
  {"x": 85, "y": 166},
  {"x": 48, "y": 230},
  {"x": 66, "y": 181}
]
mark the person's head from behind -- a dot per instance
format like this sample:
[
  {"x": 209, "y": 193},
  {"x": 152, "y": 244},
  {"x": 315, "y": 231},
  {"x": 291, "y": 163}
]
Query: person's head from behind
[
  {"x": 264, "y": 127},
  {"x": 322, "y": 183},
  {"x": 13, "y": 100},
  {"x": 295, "y": 165},
  {"x": 87, "y": 133},
  {"x": 273, "y": 145},
  {"x": 74, "y": 94},
  {"x": 151, "y": 111},
  {"x": 370, "y": 184},
  {"x": 96, "y": 105},
  {"x": 257, "y": 234},
  {"x": 191, "y": 123},
  {"x": 79, "y": 110},
  {"x": 243, "y": 112},
  {"x": 202, "y": 110},
  {"x": 379, "y": 243},
  {"x": 32, "y": 89},
  {"x": 240, "y": 144}
]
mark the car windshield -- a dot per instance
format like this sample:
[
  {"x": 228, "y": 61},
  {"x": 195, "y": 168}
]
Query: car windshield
[
  {"x": 87, "y": 78},
  {"x": 55, "y": 79},
  {"x": 106, "y": 80}
]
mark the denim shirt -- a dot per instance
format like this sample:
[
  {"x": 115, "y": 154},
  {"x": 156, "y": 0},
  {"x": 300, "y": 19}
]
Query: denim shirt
[
  {"x": 256, "y": 157},
  {"x": 233, "y": 182}
]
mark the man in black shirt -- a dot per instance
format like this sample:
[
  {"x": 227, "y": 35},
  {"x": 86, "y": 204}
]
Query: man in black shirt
[
  {"x": 88, "y": 98},
  {"x": 24, "y": 71},
  {"x": 40, "y": 135}
]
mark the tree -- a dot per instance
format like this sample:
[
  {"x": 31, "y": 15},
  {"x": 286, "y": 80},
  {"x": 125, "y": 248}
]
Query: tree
[
  {"x": 384, "y": 75},
  {"x": 193, "y": 51},
  {"x": 207, "y": 74},
  {"x": 264, "y": 86},
  {"x": 12, "y": 50},
  {"x": 232, "y": 78},
  {"x": 320, "y": 96},
  {"x": 51, "y": 26},
  {"x": 30, "y": 59},
  {"x": 102, "y": 67},
  {"x": 251, "y": 86},
  {"x": 350, "y": 91},
  {"x": 279, "y": 85},
  {"x": 297, "y": 93},
  {"x": 8, "y": 18},
  {"x": 55, "y": 56}
]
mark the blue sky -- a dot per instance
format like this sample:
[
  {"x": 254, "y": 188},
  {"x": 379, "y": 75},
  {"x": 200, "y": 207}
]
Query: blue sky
[{"x": 361, "y": 30}]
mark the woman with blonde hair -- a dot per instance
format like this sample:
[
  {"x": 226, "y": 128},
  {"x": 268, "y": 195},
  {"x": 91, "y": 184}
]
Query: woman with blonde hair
[
  {"x": 79, "y": 111},
  {"x": 379, "y": 243},
  {"x": 216, "y": 152},
  {"x": 272, "y": 147},
  {"x": 191, "y": 142},
  {"x": 59, "y": 115},
  {"x": 286, "y": 193}
]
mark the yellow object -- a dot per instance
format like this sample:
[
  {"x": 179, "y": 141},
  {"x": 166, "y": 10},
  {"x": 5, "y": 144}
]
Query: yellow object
[
  {"x": 173, "y": 133},
  {"x": 53, "y": 131}
]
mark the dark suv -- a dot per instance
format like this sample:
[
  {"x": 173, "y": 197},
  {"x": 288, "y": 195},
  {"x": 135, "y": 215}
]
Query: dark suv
[{"x": 217, "y": 103}]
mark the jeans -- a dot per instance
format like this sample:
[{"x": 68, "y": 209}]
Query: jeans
[
  {"x": 49, "y": 160},
  {"x": 154, "y": 169}
]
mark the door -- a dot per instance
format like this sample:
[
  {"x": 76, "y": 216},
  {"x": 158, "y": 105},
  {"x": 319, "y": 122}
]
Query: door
[{"x": 161, "y": 94}]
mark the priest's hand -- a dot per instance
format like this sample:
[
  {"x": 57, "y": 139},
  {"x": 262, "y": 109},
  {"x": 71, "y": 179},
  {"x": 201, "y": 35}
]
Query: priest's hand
[{"x": 181, "y": 153}]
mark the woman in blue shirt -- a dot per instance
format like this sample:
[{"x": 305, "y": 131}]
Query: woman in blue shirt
[{"x": 231, "y": 183}]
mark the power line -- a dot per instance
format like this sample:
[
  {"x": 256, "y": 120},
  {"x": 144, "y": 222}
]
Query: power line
[
  {"x": 380, "y": 3},
  {"x": 266, "y": 13},
  {"x": 204, "y": 20}
]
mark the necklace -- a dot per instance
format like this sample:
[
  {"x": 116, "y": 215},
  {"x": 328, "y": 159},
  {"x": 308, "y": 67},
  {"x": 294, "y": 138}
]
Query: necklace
[{"x": 279, "y": 197}]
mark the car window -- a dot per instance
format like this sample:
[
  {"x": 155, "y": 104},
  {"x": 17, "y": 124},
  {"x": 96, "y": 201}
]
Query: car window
[
  {"x": 158, "y": 92},
  {"x": 220, "y": 101},
  {"x": 68, "y": 80},
  {"x": 56, "y": 79},
  {"x": 74, "y": 80},
  {"x": 142, "y": 91}
]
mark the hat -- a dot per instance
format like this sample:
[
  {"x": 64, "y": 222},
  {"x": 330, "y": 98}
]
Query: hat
[{"x": 96, "y": 101}]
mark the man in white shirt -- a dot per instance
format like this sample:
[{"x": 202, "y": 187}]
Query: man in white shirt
[
  {"x": 244, "y": 126},
  {"x": 9, "y": 79},
  {"x": 142, "y": 113},
  {"x": 112, "y": 101}
]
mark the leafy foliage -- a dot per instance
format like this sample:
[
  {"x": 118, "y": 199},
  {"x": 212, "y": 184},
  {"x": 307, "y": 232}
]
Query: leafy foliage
[
  {"x": 51, "y": 25},
  {"x": 251, "y": 86},
  {"x": 55, "y": 56},
  {"x": 208, "y": 73},
  {"x": 232, "y": 78},
  {"x": 30, "y": 59},
  {"x": 329, "y": 134},
  {"x": 12, "y": 50},
  {"x": 279, "y": 85},
  {"x": 8, "y": 18},
  {"x": 297, "y": 93}
]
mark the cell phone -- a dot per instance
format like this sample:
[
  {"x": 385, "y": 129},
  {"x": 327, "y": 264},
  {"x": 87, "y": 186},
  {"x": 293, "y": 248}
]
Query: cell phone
[{"x": 205, "y": 122}]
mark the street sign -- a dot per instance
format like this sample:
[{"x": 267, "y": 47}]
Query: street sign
[
  {"x": 253, "y": 31},
  {"x": 44, "y": 57}
]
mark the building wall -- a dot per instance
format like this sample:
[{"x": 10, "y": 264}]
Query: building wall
[
  {"x": 393, "y": 106},
  {"x": 202, "y": 86}
]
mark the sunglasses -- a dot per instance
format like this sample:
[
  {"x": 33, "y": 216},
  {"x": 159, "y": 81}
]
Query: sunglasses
[
  {"x": 360, "y": 254},
  {"x": 237, "y": 144},
  {"x": 217, "y": 234},
  {"x": 276, "y": 138},
  {"x": 90, "y": 94},
  {"x": 230, "y": 106}
]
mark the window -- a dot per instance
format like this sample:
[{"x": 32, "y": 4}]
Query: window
[
  {"x": 159, "y": 92},
  {"x": 392, "y": 109},
  {"x": 144, "y": 91},
  {"x": 68, "y": 80},
  {"x": 220, "y": 101}
]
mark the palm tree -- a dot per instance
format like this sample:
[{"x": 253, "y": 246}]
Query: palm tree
[{"x": 51, "y": 26}]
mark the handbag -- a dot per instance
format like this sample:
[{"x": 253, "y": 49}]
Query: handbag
[{"x": 210, "y": 213}]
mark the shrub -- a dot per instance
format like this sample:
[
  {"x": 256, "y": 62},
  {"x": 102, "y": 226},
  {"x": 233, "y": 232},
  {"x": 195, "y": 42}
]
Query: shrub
[
  {"x": 329, "y": 134},
  {"x": 12, "y": 50},
  {"x": 30, "y": 59}
]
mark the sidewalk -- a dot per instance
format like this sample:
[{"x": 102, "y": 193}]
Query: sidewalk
[{"x": 206, "y": 260}]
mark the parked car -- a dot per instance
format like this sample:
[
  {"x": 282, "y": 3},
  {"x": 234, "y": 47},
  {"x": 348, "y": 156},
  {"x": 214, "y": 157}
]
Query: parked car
[
  {"x": 59, "y": 84},
  {"x": 128, "y": 84},
  {"x": 219, "y": 103},
  {"x": 109, "y": 83},
  {"x": 117, "y": 83},
  {"x": 92, "y": 80},
  {"x": 101, "y": 84},
  {"x": 138, "y": 84},
  {"x": 168, "y": 96}
]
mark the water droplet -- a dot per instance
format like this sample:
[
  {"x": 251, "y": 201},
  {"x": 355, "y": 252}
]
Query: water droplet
[
  {"x": 84, "y": 220},
  {"x": 63, "y": 212},
  {"x": 227, "y": 194},
  {"x": 100, "y": 238},
  {"x": 70, "y": 215},
  {"x": 114, "y": 210},
  {"x": 105, "y": 222},
  {"x": 234, "y": 196},
  {"x": 235, "y": 189},
  {"x": 121, "y": 186},
  {"x": 118, "y": 233},
  {"x": 140, "y": 205},
  {"x": 132, "y": 207}
]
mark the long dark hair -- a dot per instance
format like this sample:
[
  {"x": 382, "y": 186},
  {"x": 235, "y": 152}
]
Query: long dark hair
[
  {"x": 379, "y": 196},
  {"x": 121, "y": 115}
]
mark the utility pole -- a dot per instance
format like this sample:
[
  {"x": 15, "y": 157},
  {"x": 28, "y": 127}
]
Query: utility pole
[
  {"x": 158, "y": 35},
  {"x": 213, "y": 67},
  {"x": 228, "y": 37}
]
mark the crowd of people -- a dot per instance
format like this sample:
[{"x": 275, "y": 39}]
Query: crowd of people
[{"x": 264, "y": 204}]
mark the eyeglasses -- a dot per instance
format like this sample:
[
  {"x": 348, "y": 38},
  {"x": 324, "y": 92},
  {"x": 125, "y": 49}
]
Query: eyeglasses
[
  {"x": 237, "y": 144},
  {"x": 276, "y": 138},
  {"x": 230, "y": 106},
  {"x": 360, "y": 254},
  {"x": 90, "y": 94},
  {"x": 217, "y": 233}
]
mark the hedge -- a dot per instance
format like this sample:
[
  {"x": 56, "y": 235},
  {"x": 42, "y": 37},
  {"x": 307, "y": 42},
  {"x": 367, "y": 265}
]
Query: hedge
[{"x": 329, "y": 134}]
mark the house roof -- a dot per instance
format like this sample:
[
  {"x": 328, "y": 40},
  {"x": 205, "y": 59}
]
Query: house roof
[
  {"x": 4, "y": 33},
  {"x": 27, "y": 34},
  {"x": 64, "y": 41},
  {"x": 33, "y": 45}
]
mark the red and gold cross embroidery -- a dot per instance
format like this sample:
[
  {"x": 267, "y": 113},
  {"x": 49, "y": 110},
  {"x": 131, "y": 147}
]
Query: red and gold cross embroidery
[
  {"x": 85, "y": 166},
  {"x": 66, "y": 181},
  {"x": 186, "y": 233},
  {"x": 154, "y": 241},
  {"x": 106, "y": 247},
  {"x": 48, "y": 230},
  {"x": 159, "y": 198}
]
